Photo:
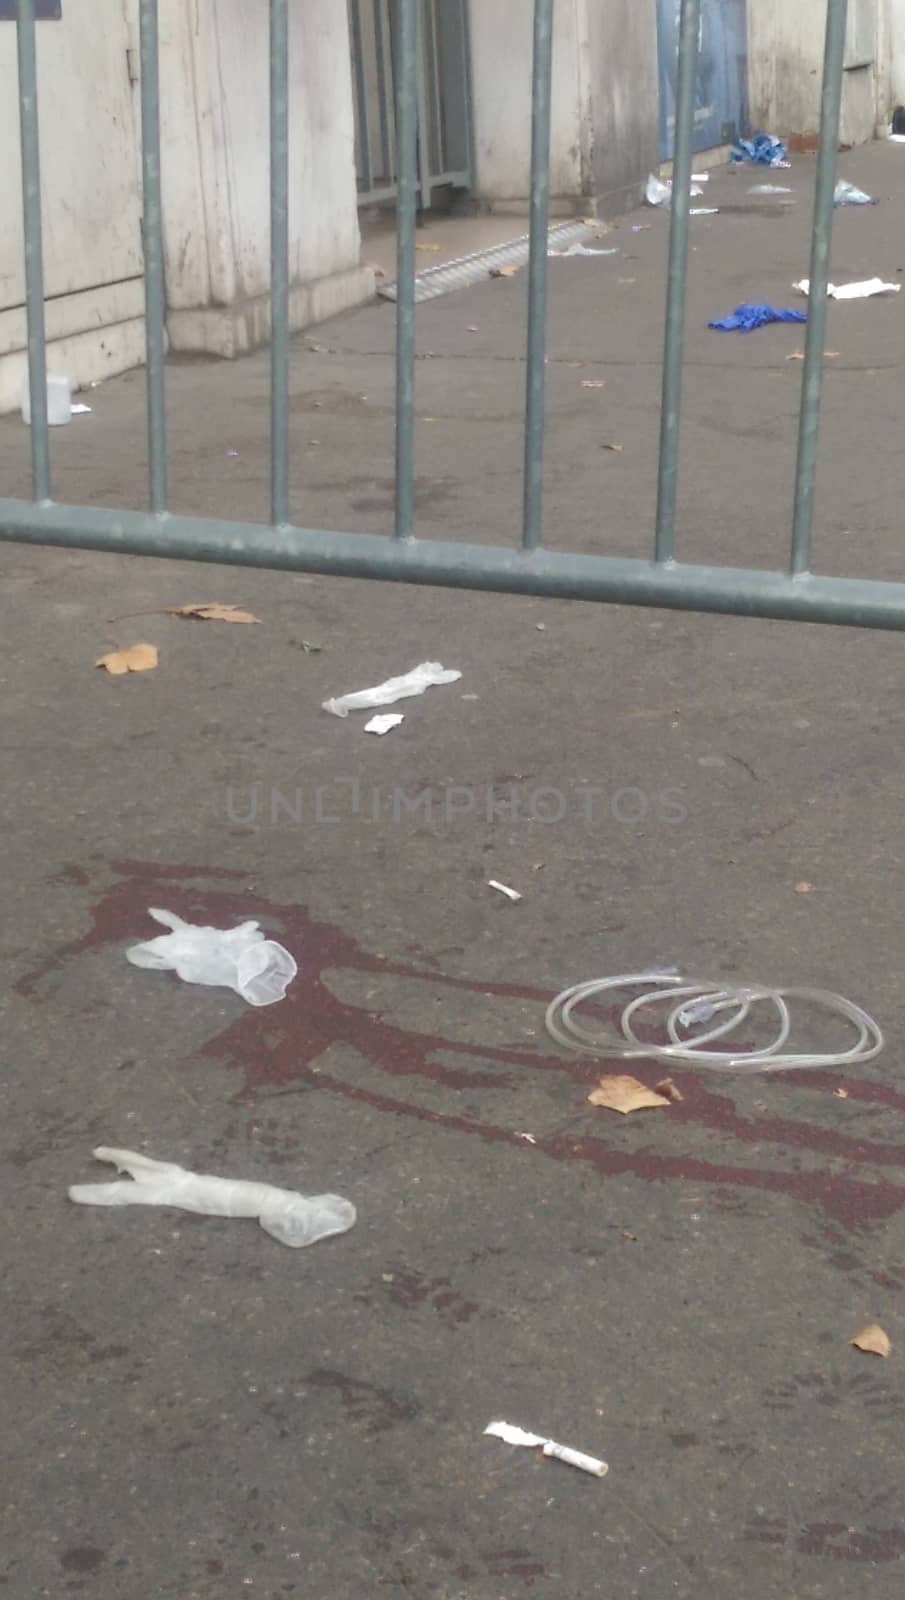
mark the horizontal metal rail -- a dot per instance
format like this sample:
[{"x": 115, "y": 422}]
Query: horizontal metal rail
[{"x": 449, "y": 564}]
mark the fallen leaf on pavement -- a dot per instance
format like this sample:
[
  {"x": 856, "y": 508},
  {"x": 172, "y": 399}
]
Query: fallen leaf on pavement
[
  {"x": 212, "y": 611},
  {"x": 135, "y": 658},
  {"x": 617, "y": 449},
  {"x": 670, "y": 1089},
  {"x": 625, "y": 1094},
  {"x": 503, "y": 272},
  {"x": 803, "y": 888},
  {"x": 873, "y": 1340},
  {"x": 593, "y": 383}
]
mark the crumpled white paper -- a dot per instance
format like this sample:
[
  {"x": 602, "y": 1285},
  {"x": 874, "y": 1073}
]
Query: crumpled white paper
[
  {"x": 560, "y": 1452},
  {"x": 386, "y": 694},
  {"x": 658, "y": 193},
  {"x": 384, "y": 723},
  {"x": 240, "y": 958},
  {"x": 852, "y": 291},
  {"x": 293, "y": 1219},
  {"x": 582, "y": 250}
]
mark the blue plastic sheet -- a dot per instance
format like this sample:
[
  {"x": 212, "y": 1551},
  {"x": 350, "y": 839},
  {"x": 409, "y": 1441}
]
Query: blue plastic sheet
[
  {"x": 765, "y": 150},
  {"x": 745, "y": 319}
]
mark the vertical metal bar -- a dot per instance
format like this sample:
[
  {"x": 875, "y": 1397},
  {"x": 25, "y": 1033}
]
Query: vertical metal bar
[
  {"x": 152, "y": 238},
  {"x": 34, "y": 259},
  {"x": 424, "y": 151},
  {"x": 279, "y": 262},
  {"x": 812, "y": 375},
  {"x": 541, "y": 88},
  {"x": 436, "y": 128},
  {"x": 406, "y": 76},
  {"x": 362, "y": 129},
  {"x": 386, "y": 174},
  {"x": 674, "y": 341}
]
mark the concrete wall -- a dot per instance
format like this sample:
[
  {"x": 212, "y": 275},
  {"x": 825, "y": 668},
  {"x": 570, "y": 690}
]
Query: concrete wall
[
  {"x": 785, "y": 57},
  {"x": 605, "y": 100},
  {"x": 625, "y": 100},
  {"x": 215, "y": 165}
]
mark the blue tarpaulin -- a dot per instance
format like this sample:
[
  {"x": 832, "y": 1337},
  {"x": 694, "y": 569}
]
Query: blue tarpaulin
[{"x": 745, "y": 318}]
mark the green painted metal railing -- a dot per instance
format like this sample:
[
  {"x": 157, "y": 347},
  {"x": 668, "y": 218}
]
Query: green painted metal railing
[{"x": 796, "y": 594}]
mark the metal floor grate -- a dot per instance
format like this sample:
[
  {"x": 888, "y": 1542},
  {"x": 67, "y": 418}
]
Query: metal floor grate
[{"x": 466, "y": 270}]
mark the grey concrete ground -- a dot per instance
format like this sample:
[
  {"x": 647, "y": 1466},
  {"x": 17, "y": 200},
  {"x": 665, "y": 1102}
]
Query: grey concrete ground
[{"x": 193, "y": 1410}]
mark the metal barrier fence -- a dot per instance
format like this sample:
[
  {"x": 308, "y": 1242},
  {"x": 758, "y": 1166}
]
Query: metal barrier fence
[
  {"x": 796, "y": 593},
  {"x": 444, "y": 122}
]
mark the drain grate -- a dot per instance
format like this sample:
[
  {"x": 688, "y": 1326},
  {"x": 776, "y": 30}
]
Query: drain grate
[{"x": 465, "y": 271}]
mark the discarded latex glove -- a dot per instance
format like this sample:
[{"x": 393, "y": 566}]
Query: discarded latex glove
[
  {"x": 745, "y": 318},
  {"x": 852, "y": 291},
  {"x": 229, "y": 958},
  {"x": 764, "y": 150},
  {"x": 846, "y": 194},
  {"x": 293, "y": 1219},
  {"x": 386, "y": 694},
  {"x": 658, "y": 193}
]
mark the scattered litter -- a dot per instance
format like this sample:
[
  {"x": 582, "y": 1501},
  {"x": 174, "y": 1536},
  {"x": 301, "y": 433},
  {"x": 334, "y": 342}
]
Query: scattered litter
[
  {"x": 528, "y": 1137},
  {"x": 232, "y": 452},
  {"x": 383, "y": 724},
  {"x": 503, "y": 888},
  {"x": 541, "y": 627},
  {"x": 677, "y": 993},
  {"x": 212, "y": 611},
  {"x": 631, "y": 1237},
  {"x": 744, "y": 319},
  {"x": 239, "y": 958},
  {"x": 311, "y": 649},
  {"x": 472, "y": 328},
  {"x": 386, "y": 694},
  {"x": 770, "y": 188},
  {"x": 135, "y": 658},
  {"x": 841, "y": 1094},
  {"x": 428, "y": 247},
  {"x": 559, "y": 1452},
  {"x": 641, "y": 227},
  {"x": 79, "y": 409},
  {"x": 670, "y": 1089},
  {"x": 847, "y": 194},
  {"x": 852, "y": 291},
  {"x": 582, "y": 250},
  {"x": 293, "y": 1219},
  {"x": 798, "y": 355},
  {"x": 704, "y": 211},
  {"x": 658, "y": 193},
  {"x": 617, "y": 449},
  {"x": 622, "y": 1093},
  {"x": 507, "y": 272},
  {"x": 874, "y": 1340},
  {"x": 765, "y": 150},
  {"x": 593, "y": 383},
  {"x": 803, "y": 888}
]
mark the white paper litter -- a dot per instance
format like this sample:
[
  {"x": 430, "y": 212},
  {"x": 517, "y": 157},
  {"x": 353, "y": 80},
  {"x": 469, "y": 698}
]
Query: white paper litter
[
  {"x": 769, "y": 188},
  {"x": 852, "y": 291},
  {"x": 383, "y": 724},
  {"x": 78, "y": 408},
  {"x": 503, "y": 888},
  {"x": 848, "y": 194},
  {"x": 240, "y": 958},
  {"x": 293, "y": 1219},
  {"x": 386, "y": 694},
  {"x": 559, "y": 1452},
  {"x": 656, "y": 192},
  {"x": 704, "y": 211},
  {"x": 582, "y": 250},
  {"x": 896, "y": 138}
]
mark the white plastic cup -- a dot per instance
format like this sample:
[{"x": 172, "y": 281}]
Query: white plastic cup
[{"x": 59, "y": 400}]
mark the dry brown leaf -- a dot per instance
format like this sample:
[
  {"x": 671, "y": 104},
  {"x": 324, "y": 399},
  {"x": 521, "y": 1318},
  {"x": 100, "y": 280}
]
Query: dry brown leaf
[
  {"x": 841, "y": 1094},
  {"x": 593, "y": 383},
  {"x": 617, "y": 449},
  {"x": 625, "y": 1094},
  {"x": 212, "y": 611},
  {"x": 503, "y": 272},
  {"x": 803, "y": 888},
  {"x": 873, "y": 1339},
  {"x": 135, "y": 658},
  {"x": 670, "y": 1089}
]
